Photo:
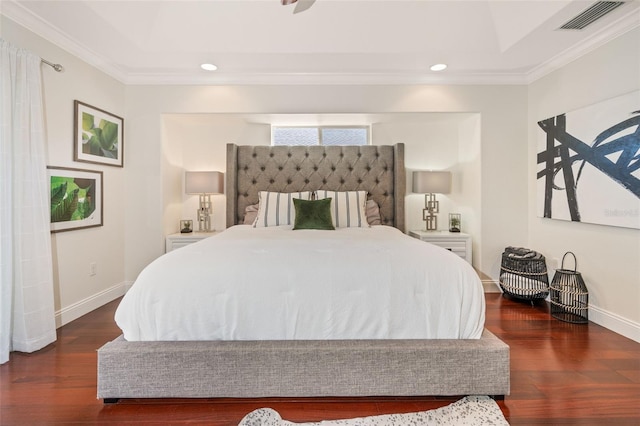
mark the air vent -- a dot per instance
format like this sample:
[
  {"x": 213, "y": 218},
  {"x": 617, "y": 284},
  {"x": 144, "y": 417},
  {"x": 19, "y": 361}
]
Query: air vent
[{"x": 592, "y": 14}]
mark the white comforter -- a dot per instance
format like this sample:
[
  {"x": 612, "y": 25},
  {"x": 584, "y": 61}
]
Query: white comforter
[{"x": 275, "y": 284}]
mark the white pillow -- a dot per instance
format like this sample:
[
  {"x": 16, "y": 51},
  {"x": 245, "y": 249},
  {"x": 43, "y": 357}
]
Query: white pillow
[
  {"x": 276, "y": 208},
  {"x": 348, "y": 208}
]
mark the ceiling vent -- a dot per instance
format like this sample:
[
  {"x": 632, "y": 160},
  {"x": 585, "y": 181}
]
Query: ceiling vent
[{"x": 592, "y": 14}]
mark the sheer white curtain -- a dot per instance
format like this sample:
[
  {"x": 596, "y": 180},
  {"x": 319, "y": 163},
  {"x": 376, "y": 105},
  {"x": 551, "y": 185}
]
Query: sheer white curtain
[{"x": 27, "y": 321}]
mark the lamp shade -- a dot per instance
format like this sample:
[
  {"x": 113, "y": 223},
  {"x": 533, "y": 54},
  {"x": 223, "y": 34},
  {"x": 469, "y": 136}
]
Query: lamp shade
[
  {"x": 204, "y": 182},
  {"x": 427, "y": 182}
]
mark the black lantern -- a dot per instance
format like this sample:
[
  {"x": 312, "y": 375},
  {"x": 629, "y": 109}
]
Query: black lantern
[{"x": 569, "y": 295}]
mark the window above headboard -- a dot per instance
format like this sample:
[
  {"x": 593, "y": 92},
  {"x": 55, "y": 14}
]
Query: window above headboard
[{"x": 319, "y": 135}]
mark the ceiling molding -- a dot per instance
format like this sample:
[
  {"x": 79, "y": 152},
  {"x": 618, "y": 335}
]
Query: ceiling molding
[
  {"x": 19, "y": 14},
  {"x": 27, "y": 19},
  {"x": 612, "y": 31},
  {"x": 326, "y": 79}
]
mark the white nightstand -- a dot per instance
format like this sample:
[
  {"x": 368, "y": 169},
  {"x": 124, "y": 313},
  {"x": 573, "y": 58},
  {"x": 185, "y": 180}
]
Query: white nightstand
[
  {"x": 457, "y": 242},
  {"x": 175, "y": 241}
]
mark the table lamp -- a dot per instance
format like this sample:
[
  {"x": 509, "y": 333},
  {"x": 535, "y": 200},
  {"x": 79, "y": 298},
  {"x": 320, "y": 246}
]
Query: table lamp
[
  {"x": 430, "y": 183},
  {"x": 204, "y": 184}
]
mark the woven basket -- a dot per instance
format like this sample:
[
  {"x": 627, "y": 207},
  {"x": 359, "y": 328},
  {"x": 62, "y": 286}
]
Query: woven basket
[
  {"x": 569, "y": 295},
  {"x": 523, "y": 274}
]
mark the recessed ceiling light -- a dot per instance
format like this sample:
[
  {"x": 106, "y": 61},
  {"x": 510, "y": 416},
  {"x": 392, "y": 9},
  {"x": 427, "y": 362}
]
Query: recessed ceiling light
[
  {"x": 438, "y": 67},
  {"x": 208, "y": 67}
]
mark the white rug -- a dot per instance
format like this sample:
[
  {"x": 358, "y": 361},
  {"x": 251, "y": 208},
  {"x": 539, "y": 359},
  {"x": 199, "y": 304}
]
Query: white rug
[{"x": 469, "y": 411}]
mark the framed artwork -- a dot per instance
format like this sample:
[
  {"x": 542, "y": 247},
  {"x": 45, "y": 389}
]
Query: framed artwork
[
  {"x": 589, "y": 164},
  {"x": 76, "y": 198},
  {"x": 98, "y": 136}
]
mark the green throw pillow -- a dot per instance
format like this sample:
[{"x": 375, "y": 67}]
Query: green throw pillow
[{"x": 313, "y": 214}]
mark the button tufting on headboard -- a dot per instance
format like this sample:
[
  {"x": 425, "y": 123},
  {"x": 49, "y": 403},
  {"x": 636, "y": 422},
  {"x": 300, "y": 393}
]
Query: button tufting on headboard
[{"x": 379, "y": 170}]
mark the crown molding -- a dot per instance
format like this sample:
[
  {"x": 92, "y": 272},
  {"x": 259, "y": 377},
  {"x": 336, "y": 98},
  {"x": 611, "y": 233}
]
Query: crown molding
[
  {"x": 18, "y": 13},
  {"x": 23, "y": 16},
  {"x": 32, "y": 22},
  {"x": 612, "y": 31},
  {"x": 324, "y": 79}
]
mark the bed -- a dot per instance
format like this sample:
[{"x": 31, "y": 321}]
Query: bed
[{"x": 293, "y": 345}]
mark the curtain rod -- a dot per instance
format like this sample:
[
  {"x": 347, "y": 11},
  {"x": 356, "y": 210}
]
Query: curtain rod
[{"x": 56, "y": 67}]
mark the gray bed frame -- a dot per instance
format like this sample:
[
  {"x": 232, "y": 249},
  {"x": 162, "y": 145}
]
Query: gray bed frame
[{"x": 257, "y": 369}]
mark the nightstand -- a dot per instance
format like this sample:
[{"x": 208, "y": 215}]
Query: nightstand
[
  {"x": 175, "y": 241},
  {"x": 457, "y": 242}
]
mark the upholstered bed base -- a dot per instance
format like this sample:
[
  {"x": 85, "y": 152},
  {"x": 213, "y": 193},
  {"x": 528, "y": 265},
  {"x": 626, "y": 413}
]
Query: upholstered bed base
[
  {"x": 255, "y": 369},
  {"x": 307, "y": 368}
]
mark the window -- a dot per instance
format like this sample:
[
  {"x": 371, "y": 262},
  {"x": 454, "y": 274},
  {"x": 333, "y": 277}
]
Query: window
[
  {"x": 295, "y": 136},
  {"x": 321, "y": 135}
]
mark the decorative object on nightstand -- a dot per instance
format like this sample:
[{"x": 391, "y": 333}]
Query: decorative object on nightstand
[
  {"x": 457, "y": 242},
  {"x": 186, "y": 226},
  {"x": 430, "y": 183},
  {"x": 569, "y": 295},
  {"x": 204, "y": 184},
  {"x": 454, "y": 222},
  {"x": 523, "y": 274}
]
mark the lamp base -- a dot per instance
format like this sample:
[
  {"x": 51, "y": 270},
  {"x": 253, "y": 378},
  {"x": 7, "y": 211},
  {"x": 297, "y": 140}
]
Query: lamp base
[
  {"x": 204, "y": 213},
  {"x": 431, "y": 206},
  {"x": 204, "y": 221},
  {"x": 431, "y": 222}
]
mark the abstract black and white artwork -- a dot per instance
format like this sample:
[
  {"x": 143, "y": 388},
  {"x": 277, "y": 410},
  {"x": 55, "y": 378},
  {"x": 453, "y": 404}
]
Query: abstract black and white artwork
[{"x": 589, "y": 164}]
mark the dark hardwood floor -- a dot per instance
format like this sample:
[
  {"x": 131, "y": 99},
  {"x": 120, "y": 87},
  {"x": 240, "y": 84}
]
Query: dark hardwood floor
[{"x": 560, "y": 374}]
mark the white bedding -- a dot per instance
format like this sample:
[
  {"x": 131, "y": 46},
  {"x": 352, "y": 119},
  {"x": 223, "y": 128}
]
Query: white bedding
[{"x": 277, "y": 284}]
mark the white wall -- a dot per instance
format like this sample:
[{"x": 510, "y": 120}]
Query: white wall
[
  {"x": 503, "y": 150},
  {"x": 433, "y": 141},
  {"x": 77, "y": 293},
  {"x": 197, "y": 142},
  {"x": 143, "y": 198},
  {"x": 467, "y": 186},
  {"x": 437, "y": 141},
  {"x": 608, "y": 257},
  {"x": 140, "y": 197}
]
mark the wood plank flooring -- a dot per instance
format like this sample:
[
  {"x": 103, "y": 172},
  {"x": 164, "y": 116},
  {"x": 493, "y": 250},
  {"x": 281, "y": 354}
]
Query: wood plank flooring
[{"x": 561, "y": 374}]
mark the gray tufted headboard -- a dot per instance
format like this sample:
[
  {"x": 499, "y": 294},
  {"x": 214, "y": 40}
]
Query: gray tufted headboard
[{"x": 379, "y": 170}]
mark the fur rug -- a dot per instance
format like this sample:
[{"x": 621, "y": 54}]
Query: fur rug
[{"x": 469, "y": 411}]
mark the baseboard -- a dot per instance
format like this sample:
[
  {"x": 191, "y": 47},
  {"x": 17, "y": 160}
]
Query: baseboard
[
  {"x": 615, "y": 323},
  {"x": 490, "y": 286},
  {"x": 608, "y": 320},
  {"x": 78, "y": 309}
]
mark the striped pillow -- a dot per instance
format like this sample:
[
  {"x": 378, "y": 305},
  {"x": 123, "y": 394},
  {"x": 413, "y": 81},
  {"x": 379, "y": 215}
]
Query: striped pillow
[
  {"x": 276, "y": 208},
  {"x": 348, "y": 208}
]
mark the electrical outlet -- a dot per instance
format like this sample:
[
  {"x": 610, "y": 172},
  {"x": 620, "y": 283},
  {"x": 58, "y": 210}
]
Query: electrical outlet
[{"x": 93, "y": 269}]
